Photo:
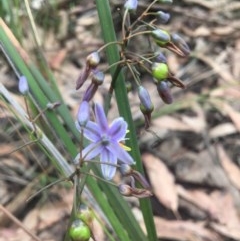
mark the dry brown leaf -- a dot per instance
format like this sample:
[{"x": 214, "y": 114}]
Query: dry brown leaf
[
  {"x": 231, "y": 232},
  {"x": 230, "y": 92},
  {"x": 229, "y": 166},
  {"x": 228, "y": 216},
  {"x": 227, "y": 212},
  {"x": 162, "y": 181},
  {"x": 198, "y": 123},
  {"x": 235, "y": 59},
  {"x": 233, "y": 114},
  {"x": 168, "y": 122},
  {"x": 56, "y": 61},
  {"x": 199, "y": 199},
  {"x": 222, "y": 130},
  {"x": 5, "y": 149},
  {"x": 184, "y": 231}
]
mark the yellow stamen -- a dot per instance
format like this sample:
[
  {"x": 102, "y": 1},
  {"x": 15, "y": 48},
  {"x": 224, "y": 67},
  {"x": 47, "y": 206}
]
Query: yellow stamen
[{"x": 125, "y": 147}]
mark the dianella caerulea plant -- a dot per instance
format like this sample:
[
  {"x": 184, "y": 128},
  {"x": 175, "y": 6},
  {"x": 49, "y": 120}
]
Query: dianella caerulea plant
[
  {"x": 105, "y": 140},
  {"x": 116, "y": 143}
]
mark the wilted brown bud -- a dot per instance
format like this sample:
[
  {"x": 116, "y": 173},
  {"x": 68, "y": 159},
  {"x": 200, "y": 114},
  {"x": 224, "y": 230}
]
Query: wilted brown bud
[{"x": 126, "y": 190}]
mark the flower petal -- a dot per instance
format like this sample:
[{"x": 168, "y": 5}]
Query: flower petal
[
  {"x": 92, "y": 132},
  {"x": 118, "y": 129},
  {"x": 108, "y": 171},
  {"x": 101, "y": 118},
  {"x": 120, "y": 153},
  {"x": 91, "y": 151}
]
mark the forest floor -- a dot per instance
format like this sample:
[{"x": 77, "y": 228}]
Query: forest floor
[{"x": 191, "y": 154}]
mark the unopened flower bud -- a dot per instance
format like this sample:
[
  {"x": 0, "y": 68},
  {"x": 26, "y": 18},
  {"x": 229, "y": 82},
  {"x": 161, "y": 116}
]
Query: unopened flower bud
[
  {"x": 161, "y": 37},
  {"x": 164, "y": 92},
  {"x": 146, "y": 103},
  {"x": 131, "y": 5},
  {"x": 83, "y": 77},
  {"x": 98, "y": 77},
  {"x": 79, "y": 231},
  {"x": 160, "y": 71},
  {"x": 125, "y": 169},
  {"x": 23, "y": 85},
  {"x": 83, "y": 114},
  {"x": 125, "y": 190},
  {"x": 180, "y": 43},
  {"x": 85, "y": 214},
  {"x": 90, "y": 92},
  {"x": 160, "y": 58},
  {"x": 93, "y": 59},
  {"x": 163, "y": 17}
]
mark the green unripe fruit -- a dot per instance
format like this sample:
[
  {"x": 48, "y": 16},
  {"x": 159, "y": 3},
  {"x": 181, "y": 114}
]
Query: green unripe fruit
[
  {"x": 160, "y": 71},
  {"x": 85, "y": 214},
  {"x": 161, "y": 37},
  {"x": 79, "y": 231}
]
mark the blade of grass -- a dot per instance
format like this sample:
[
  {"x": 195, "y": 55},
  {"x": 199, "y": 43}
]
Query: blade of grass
[{"x": 107, "y": 27}]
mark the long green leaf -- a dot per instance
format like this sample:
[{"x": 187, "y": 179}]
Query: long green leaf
[{"x": 105, "y": 17}]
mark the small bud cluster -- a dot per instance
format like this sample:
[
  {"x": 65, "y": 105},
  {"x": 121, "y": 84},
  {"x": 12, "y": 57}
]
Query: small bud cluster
[
  {"x": 155, "y": 63},
  {"x": 132, "y": 190},
  {"x": 90, "y": 68}
]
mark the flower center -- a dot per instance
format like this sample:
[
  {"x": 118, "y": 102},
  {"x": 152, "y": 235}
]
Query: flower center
[{"x": 105, "y": 140}]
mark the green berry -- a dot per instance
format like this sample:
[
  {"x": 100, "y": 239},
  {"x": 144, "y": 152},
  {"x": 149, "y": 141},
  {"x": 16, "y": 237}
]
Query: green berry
[
  {"x": 79, "y": 231},
  {"x": 85, "y": 214},
  {"x": 160, "y": 71}
]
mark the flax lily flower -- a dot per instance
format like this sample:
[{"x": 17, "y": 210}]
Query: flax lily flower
[{"x": 106, "y": 141}]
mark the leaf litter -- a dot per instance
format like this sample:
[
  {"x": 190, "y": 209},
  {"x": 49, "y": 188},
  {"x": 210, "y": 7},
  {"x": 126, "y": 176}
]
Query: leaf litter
[{"x": 190, "y": 165}]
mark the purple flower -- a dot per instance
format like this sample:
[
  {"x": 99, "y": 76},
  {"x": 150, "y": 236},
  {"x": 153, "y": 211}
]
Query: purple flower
[
  {"x": 83, "y": 114},
  {"x": 131, "y": 5},
  {"x": 106, "y": 142}
]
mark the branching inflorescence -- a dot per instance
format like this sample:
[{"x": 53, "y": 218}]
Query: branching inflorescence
[{"x": 108, "y": 141}]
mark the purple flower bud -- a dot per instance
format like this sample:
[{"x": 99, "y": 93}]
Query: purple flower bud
[
  {"x": 23, "y": 85},
  {"x": 83, "y": 114},
  {"x": 164, "y": 92},
  {"x": 180, "y": 43},
  {"x": 163, "y": 17},
  {"x": 93, "y": 59},
  {"x": 160, "y": 58},
  {"x": 161, "y": 37},
  {"x": 98, "y": 77},
  {"x": 83, "y": 77},
  {"x": 146, "y": 103},
  {"x": 90, "y": 92},
  {"x": 131, "y": 5}
]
